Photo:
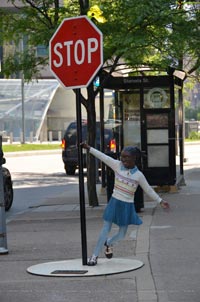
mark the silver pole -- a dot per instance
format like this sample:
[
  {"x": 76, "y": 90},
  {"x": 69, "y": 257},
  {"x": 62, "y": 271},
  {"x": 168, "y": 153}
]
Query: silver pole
[
  {"x": 23, "y": 111},
  {"x": 3, "y": 237},
  {"x": 22, "y": 94}
]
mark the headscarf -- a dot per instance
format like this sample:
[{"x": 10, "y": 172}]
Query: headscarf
[{"x": 132, "y": 150}]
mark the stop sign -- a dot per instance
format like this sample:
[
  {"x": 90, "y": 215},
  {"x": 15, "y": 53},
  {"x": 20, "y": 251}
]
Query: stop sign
[{"x": 76, "y": 52}]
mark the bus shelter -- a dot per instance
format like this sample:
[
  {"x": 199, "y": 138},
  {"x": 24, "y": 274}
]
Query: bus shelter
[{"x": 150, "y": 120}]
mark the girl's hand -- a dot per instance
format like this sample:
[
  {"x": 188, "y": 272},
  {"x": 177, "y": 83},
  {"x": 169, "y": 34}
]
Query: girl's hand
[
  {"x": 84, "y": 145},
  {"x": 164, "y": 204}
]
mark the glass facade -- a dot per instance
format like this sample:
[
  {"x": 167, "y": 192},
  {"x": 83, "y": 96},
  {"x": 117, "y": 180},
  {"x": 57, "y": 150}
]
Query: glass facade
[{"x": 37, "y": 98}]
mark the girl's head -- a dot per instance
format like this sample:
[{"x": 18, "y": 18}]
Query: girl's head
[{"x": 129, "y": 156}]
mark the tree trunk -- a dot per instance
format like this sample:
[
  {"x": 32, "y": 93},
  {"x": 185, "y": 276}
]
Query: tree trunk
[{"x": 91, "y": 163}]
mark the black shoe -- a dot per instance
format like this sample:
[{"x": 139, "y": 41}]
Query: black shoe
[
  {"x": 108, "y": 251},
  {"x": 92, "y": 260}
]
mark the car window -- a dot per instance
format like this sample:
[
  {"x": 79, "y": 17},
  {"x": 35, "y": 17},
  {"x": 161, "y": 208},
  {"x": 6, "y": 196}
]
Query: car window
[
  {"x": 71, "y": 126},
  {"x": 71, "y": 134},
  {"x": 108, "y": 134}
]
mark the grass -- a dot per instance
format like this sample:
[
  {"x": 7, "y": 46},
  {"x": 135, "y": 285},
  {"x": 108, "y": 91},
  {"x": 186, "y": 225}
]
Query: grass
[
  {"x": 29, "y": 147},
  {"x": 42, "y": 146}
]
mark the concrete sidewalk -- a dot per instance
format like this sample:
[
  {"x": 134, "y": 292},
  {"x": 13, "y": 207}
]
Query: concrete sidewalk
[
  {"x": 175, "y": 243},
  {"x": 51, "y": 232},
  {"x": 167, "y": 243}
]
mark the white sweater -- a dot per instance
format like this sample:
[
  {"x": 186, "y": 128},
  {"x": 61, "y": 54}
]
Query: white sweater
[{"x": 126, "y": 180}]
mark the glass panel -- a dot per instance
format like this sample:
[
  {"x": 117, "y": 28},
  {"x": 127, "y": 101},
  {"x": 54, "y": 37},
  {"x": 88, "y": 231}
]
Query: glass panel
[
  {"x": 131, "y": 117},
  {"x": 157, "y": 120},
  {"x": 158, "y": 156},
  {"x": 158, "y": 136},
  {"x": 157, "y": 97},
  {"x": 37, "y": 97},
  {"x": 112, "y": 111}
]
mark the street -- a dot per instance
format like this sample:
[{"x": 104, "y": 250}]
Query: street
[
  {"x": 37, "y": 178},
  {"x": 191, "y": 155}
]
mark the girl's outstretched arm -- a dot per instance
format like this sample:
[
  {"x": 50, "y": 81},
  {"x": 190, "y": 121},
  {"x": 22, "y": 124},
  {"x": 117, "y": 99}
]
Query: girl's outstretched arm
[{"x": 109, "y": 161}]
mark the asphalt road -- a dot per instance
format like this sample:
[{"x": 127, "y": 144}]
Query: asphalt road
[
  {"x": 35, "y": 178},
  {"x": 40, "y": 176}
]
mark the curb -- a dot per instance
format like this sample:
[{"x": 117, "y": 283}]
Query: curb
[{"x": 31, "y": 153}]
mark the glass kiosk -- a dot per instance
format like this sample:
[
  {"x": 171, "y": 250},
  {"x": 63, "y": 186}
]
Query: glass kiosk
[{"x": 147, "y": 111}]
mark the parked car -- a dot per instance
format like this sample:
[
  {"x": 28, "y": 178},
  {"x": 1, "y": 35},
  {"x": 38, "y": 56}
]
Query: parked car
[
  {"x": 8, "y": 187},
  {"x": 69, "y": 144}
]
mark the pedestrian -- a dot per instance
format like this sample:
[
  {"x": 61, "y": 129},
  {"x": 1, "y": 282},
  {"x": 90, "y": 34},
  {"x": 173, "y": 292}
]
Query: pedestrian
[{"x": 120, "y": 209}]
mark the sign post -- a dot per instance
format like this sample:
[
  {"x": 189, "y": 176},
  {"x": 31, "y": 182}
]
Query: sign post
[
  {"x": 76, "y": 55},
  {"x": 81, "y": 179}
]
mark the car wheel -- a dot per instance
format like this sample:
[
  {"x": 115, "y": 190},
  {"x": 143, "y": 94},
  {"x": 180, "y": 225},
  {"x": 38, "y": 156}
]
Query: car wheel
[
  {"x": 8, "y": 194},
  {"x": 70, "y": 170}
]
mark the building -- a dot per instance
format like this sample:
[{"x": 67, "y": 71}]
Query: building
[{"x": 47, "y": 108}]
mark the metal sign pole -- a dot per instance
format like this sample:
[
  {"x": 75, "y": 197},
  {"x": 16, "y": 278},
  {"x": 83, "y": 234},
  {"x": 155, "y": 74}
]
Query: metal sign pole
[
  {"x": 3, "y": 238},
  {"x": 81, "y": 178}
]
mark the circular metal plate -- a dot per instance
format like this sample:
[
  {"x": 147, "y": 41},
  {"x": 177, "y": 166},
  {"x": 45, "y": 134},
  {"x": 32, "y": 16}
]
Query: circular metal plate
[{"x": 74, "y": 268}]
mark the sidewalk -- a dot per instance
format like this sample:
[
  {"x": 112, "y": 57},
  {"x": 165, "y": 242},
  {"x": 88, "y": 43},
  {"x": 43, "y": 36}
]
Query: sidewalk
[
  {"x": 167, "y": 243},
  {"x": 51, "y": 232},
  {"x": 175, "y": 242}
]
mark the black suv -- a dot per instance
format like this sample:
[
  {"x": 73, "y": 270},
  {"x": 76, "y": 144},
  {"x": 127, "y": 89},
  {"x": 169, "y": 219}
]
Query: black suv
[{"x": 69, "y": 144}]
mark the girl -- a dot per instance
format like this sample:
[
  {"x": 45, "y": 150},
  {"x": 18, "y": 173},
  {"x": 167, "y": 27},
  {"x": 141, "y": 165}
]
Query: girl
[{"x": 120, "y": 209}]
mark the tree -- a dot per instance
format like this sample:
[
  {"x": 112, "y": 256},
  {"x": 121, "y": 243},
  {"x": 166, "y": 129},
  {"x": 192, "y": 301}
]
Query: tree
[
  {"x": 152, "y": 33},
  {"x": 155, "y": 33},
  {"x": 45, "y": 17}
]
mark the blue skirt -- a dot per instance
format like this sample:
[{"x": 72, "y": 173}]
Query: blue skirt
[{"x": 121, "y": 213}]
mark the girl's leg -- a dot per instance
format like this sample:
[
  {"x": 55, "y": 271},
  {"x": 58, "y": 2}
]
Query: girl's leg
[
  {"x": 102, "y": 237},
  {"x": 120, "y": 235}
]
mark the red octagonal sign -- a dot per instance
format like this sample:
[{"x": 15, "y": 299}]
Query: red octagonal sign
[{"x": 76, "y": 52}]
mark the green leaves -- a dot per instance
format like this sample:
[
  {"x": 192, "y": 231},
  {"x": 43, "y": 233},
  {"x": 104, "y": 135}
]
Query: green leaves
[{"x": 144, "y": 32}]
